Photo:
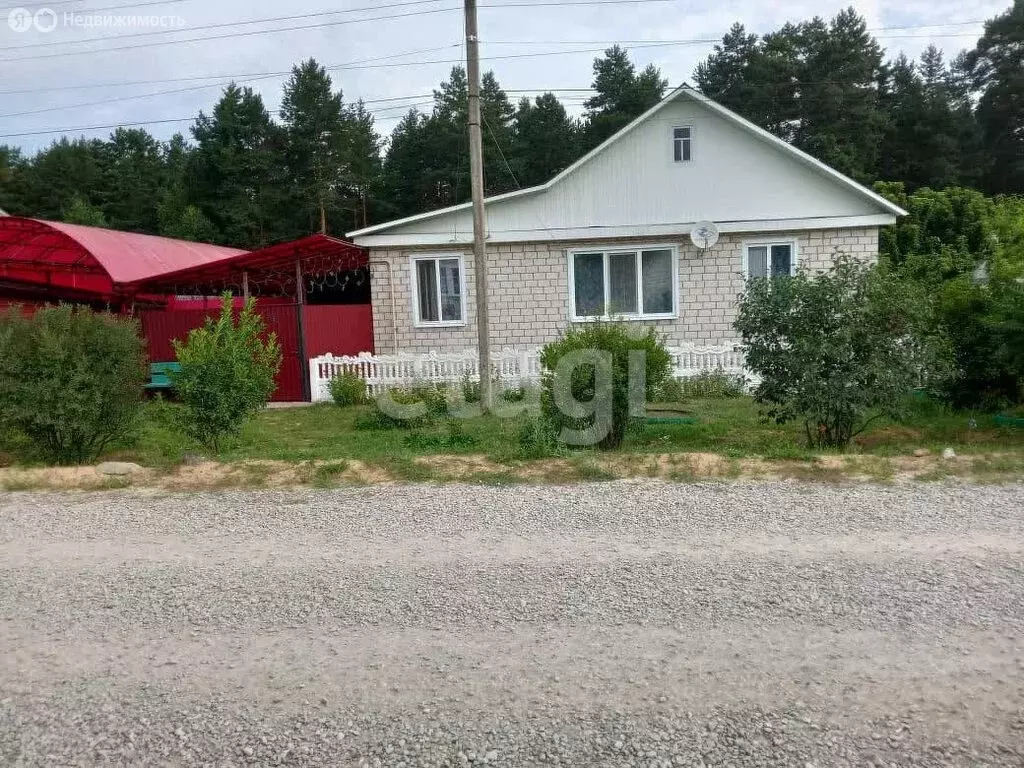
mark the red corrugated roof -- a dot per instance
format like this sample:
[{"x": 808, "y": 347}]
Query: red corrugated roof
[
  {"x": 129, "y": 257},
  {"x": 274, "y": 257},
  {"x": 91, "y": 256}
]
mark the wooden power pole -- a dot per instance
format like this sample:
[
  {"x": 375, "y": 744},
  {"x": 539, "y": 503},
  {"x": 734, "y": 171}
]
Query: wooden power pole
[{"x": 476, "y": 172}]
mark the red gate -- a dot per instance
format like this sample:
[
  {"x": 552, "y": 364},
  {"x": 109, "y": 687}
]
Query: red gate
[{"x": 161, "y": 326}]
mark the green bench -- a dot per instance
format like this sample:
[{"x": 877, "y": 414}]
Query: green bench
[{"x": 160, "y": 375}]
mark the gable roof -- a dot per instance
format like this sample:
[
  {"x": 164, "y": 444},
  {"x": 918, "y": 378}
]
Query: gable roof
[{"x": 683, "y": 91}]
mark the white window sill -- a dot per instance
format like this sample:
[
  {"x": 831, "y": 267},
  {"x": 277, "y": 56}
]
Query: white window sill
[
  {"x": 440, "y": 324},
  {"x": 617, "y": 318}
]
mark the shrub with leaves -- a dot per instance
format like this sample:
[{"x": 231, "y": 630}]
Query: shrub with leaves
[
  {"x": 837, "y": 350},
  {"x": 536, "y": 437},
  {"x": 71, "y": 380},
  {"x": 715, "y": 384},
  {"x": 348, "y": 389},
  {"x": 227, "y": 373},
  {"x": 591, "y": 392}
]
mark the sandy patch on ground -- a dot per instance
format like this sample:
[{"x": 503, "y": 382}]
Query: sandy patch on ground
[
  {"x": 460, "y": 467},
  {"x": 677, "y": 467},
  {"x": 68, "y": 478}
]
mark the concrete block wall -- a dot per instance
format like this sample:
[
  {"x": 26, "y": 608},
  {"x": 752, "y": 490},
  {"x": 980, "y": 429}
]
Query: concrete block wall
[{"x": 530, "y": 289}]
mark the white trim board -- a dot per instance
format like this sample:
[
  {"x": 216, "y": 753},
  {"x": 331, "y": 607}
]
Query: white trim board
[{"x": 680, "y": 229}]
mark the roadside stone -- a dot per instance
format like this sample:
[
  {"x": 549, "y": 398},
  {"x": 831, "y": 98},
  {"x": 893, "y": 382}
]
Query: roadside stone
[
  {"x": 118, "y": 468},
  {"x": 948, "y": 453},
  {"x": 922, "y": 452}
]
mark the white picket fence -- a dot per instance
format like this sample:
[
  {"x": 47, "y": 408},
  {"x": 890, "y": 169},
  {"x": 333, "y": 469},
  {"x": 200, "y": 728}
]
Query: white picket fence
[{"x": 513, "y": 367}]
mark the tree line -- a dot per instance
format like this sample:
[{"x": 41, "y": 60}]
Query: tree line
[{"x": 247, "y": 178}]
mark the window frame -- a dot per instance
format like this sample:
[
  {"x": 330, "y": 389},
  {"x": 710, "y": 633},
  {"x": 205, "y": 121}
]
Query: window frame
[
  {"x": 692, "y": 140},
  {"x": 414, "y": 284},
  {"x": 794, "y": 250},
  {"x": 637, "y": 250}
]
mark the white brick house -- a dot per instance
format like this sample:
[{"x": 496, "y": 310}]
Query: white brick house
[{"x": 610, "y": 236}]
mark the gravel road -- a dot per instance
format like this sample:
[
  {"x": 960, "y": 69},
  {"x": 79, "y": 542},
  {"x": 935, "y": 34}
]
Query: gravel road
[{"x": 619, "y": 624}]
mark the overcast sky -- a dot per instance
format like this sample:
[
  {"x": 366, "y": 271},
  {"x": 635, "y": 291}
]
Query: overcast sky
[{"x": 38, "y": 76}]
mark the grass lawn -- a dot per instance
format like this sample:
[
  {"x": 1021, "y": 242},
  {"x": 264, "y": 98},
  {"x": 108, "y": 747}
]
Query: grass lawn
[
  {"x": 324, "y": 440},
  {"x": 729, "y": 427}
]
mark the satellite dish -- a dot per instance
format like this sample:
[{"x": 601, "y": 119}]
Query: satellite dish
[{"x": 704, "y": 234}]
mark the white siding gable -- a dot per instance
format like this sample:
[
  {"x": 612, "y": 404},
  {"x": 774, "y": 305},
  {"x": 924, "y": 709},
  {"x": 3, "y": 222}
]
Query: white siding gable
[{"x": 633, "y": 186}]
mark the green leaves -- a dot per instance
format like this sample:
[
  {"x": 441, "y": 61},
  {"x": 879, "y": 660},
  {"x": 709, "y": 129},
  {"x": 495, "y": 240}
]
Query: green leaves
[
  {"x": 596, "y": 376},
  {"x": 70, "y": 379},
  {"x": 837, "y": 350},
  {"x": 227, "y": 373}
]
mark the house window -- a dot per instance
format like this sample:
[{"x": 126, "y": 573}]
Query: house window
[
  {"x": 682, "y": 139},
  {"x": 634, "y": 284},
  {"x": 770, "y": 259},
  {"x": 439, "y": 298}
]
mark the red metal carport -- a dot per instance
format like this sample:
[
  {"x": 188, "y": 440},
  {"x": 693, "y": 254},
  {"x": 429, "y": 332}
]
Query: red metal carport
[
  {"x": 312, "y": 292},
  {"x": 49, "y": 260}
]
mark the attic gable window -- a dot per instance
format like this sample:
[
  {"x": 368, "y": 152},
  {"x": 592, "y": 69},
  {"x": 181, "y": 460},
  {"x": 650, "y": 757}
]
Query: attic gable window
[{"x": 682, "y": 141}]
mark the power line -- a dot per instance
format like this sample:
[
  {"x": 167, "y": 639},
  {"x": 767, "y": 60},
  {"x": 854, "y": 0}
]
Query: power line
[
  {"x": 263, "y": 76},
  {"x": 163, "y": 121},
  {"x": 691, "y": 41},
  {"x": 266, "y": 20},
  {"x": 59, "y": 6},
  {"x": 62, "y": 54},
  {"x": 715, "y": 39},
  {"x": 232, "y": 35}
]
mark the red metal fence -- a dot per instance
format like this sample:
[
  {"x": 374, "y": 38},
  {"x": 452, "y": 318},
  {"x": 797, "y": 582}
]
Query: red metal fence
[{"x": 341, "y": 329}]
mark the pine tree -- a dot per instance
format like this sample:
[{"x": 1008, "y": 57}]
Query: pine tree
[
  {"x": 313, "y": 115},
  {"x": 135, "y": 177},
  {"x": 60, "y": 172},
  {"x": 840, "y": 121},
  {"x": 622, "y": 95},
  {"x": 364, "y": 163},
  {"x": 546, "y": 139},
  {"x": 996, "y": 66},
  {"x": 427, "y": 162},
  {"x": 13, "y": 169},
  {"x": 232, "y": 170}
]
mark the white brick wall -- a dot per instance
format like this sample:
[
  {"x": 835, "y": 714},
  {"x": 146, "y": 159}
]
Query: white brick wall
[{"x": 530, "y": 289}]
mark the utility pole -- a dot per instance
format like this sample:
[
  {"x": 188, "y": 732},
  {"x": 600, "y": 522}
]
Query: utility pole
[{"x": 476, "y": 172}]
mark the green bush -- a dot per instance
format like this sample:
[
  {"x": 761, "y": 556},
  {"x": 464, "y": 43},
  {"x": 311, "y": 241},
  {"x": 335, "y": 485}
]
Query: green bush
[
  {"x": 471, "y": 391},
  {"x": 705, "y": 385},
  {"x": 454, "y": 438},
  {"x": 427, "y": 401},
  {"x": 536, "y": 437},
  {"x": 837, "y": 350},
  {"x": 591, "y": 399},
  {"x": 347, "y": 389},
  {"x": 227, "y": 373},
  {"x": 969, "y": 316},
  {"x": 71, "y": 380}
]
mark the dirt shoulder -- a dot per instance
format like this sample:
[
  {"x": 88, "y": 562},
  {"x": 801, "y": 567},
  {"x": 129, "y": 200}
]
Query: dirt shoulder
[{"x": 478, "y": 468}]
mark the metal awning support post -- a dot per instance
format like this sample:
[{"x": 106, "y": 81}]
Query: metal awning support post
[{"x": 300, "y": 307}]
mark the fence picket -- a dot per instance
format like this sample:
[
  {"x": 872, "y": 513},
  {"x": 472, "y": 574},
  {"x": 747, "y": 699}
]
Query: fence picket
[{"x": 513, "y": 367}]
